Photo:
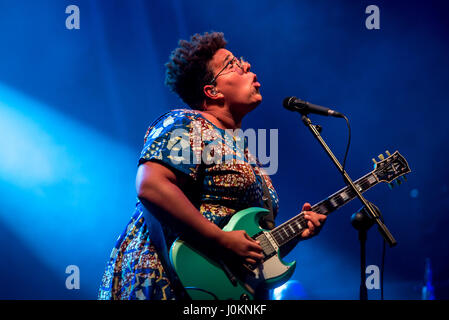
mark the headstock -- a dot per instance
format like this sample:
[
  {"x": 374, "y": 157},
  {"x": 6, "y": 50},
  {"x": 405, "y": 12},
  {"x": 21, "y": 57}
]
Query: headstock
[{"x": 391, "y": 169}]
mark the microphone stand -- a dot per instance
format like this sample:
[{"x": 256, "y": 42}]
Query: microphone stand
[
  {"x": 362, "y": 222},
  {"x": 371, "y": 212}
]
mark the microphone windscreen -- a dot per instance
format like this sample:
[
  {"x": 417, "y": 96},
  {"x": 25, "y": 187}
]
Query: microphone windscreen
[{"x": 287, "y": 103}]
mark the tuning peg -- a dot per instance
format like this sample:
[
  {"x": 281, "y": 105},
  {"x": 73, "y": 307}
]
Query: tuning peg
[
  {"x": 381, "y": 156},
  {"x": 374, "y": 161},
  {"x": 404, "y": 178},
  {"x": 391, "y": 186},
  {"x": 398, "y": 181},
  {"x": 387, "y": 152}
]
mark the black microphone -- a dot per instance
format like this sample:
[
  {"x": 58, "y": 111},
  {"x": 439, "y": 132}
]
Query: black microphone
[{"x": 304, "y": 107}]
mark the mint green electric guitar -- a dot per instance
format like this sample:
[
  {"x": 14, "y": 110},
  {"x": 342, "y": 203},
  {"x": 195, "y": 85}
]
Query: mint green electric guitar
[{"x": 207, "y": 277}]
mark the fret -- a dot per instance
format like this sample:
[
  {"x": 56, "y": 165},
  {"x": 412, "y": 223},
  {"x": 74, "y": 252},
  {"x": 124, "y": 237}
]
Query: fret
[
  {"x": 280, "y": 233},
  {"x": 289, "y": 230},
  {"x": 297, "y": 226},
  {"x": 345, "y": 195},
  {"x": 286, "y": 233},
  {"x": 333, "y": 202},
  {"x": 294, "y": 227}
]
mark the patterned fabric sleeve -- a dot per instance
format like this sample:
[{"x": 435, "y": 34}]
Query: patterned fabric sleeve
[{"x": 175, "y": 140}]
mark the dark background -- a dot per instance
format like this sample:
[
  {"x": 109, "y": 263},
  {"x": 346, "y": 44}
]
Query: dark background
[{"x": 75, "y": 105}]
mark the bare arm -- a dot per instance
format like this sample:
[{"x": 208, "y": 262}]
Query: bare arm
[{"x": 160, "y": 191}]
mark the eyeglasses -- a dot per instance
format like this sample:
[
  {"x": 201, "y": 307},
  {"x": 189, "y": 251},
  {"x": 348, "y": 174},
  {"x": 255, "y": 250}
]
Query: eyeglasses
[{"x": 234, "y": 64}]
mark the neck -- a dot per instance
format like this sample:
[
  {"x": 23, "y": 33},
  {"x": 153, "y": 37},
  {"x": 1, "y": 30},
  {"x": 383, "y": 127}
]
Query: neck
[{"x": 223, "y": 118}]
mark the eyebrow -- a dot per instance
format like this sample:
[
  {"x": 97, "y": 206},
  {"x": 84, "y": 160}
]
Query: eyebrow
[{"x": 226, "y": 59}]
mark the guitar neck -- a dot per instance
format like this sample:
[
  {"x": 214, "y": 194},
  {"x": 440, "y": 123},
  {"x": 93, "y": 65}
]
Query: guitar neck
[
  {"x": 345, "y": 195},
  {"x": 292, "y": 228}
]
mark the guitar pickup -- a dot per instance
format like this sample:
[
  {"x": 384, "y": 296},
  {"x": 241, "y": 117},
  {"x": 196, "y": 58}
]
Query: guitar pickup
[{"x": 267, "y": 247}]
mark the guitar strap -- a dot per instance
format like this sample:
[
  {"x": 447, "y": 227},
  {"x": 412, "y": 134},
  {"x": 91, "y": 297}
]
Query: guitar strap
[{"x": 268, "y": 220}]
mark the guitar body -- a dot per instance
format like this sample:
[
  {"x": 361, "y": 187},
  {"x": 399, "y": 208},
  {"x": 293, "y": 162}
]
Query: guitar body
[{"x": 197, "y": 270}]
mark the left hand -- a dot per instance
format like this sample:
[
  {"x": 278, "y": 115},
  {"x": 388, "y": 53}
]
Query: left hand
[{"x": 315, "y": 222}]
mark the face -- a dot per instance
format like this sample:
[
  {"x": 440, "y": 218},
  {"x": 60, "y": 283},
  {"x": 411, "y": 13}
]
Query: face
[{"x": 239, "y": 88}]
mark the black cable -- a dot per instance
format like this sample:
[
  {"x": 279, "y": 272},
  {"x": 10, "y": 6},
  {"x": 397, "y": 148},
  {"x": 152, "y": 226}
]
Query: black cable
[
  {"x": 349, "y": 143},
  {"x": 205, "y": 291}
]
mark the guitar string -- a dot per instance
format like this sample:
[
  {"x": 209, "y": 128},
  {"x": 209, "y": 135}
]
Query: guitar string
[
  {"x": 300, "y": 218},
  {"x": 362, "y": 182},
  {"x": 276, "y": 233},
  {"x": 334, "y": 196}
]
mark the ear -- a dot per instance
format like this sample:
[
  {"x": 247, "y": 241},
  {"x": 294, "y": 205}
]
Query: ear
[{"x": 211, "y": 92}]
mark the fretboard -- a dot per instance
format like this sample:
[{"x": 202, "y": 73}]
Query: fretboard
[{"x": 292, "y": 228}]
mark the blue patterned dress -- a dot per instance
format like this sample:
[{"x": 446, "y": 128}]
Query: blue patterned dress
[{"x": 134, "y": 270}]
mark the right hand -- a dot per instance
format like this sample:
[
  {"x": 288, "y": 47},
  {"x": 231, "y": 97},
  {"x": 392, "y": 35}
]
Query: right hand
[{"x": 240, "y": 243}]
